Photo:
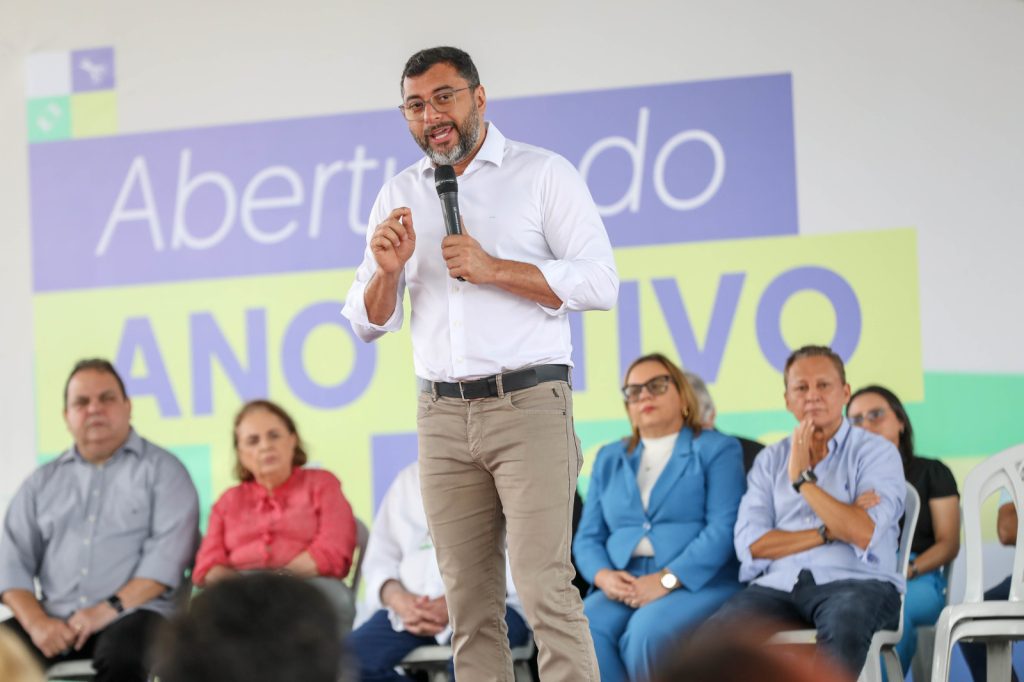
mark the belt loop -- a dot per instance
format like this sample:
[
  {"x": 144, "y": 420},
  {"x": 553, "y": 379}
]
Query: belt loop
[
  {"x": 498, "y": 383},
  {"x": 433, "y": 391},
  {"x": 568, "y": 377}
]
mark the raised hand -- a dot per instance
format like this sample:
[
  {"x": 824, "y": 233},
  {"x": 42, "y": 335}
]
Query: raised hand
[
  {"x": 393, "y": 241},
  {"x": 800, "y": 448}
]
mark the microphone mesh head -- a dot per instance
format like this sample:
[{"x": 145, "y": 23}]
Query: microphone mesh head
[{"x": 444, "y": 180}]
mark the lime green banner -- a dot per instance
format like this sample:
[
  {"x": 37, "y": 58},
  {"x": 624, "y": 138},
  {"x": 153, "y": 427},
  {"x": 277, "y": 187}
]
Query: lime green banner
[{"x": 191, "y": 352}]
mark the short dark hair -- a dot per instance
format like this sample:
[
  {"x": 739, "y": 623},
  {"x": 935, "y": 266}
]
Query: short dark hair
[
  {"x": 814, "y": 352},
  {"x": 94, "y": 365},
  {"x": 906, "y": 446},
  {"x": 300, "y": 458},
  {"x": 261, "y": 627},
  {"x": 423, "y": 60}
]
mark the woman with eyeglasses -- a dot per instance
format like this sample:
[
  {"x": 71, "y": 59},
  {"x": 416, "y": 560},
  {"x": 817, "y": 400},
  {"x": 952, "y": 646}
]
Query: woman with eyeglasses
[
  {"x": 937, "y": 537},
  {"x": 655, "y": 538}
]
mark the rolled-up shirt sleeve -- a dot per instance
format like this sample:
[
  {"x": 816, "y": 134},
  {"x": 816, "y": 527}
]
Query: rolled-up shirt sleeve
[
  {"x": 355, "y": 303},
  {"x": 334, "y": 544},
  {"x": 174, "y": 527},
  {"x": 583, "y": 273},
  {"x": 880, "y": 469},
  {"x": 756, "y": 516},
  {"x": 21, "y": 546}
]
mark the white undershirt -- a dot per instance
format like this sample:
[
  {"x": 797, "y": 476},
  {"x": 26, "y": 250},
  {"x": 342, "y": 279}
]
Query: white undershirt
[{"x": 653, "y": 459}]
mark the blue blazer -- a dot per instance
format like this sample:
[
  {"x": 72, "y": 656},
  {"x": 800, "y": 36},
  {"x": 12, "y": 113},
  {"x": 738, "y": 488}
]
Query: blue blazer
[{"x": 689, "y": 519}]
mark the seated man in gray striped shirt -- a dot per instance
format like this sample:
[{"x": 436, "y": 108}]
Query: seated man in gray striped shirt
[{"x": 107, "y": 529}]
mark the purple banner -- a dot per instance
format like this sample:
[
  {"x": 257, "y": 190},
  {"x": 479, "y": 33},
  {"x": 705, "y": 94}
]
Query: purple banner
[{"x": 666, "y": 164}]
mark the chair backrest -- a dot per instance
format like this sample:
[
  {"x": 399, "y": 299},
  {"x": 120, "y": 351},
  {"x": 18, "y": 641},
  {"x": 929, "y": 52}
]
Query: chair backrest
[
  {"x": 362, "y": 537},
  {"x": 911, "y": 510},
  {"x": 947, "y": 573},
  {"x": 1001, "y": 470}
]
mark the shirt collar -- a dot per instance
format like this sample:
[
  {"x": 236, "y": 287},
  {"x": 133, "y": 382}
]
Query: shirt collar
[
  {"x": 491, "y": 151},
  {"x": 132, "y": 445}
]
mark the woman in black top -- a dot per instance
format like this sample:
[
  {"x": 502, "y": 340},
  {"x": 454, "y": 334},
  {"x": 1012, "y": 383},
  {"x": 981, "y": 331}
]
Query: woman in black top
[{"x": 937, "y": 537}]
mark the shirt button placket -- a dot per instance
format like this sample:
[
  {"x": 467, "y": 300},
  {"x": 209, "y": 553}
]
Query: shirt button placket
[
  {"x": 456, "y": 330},
  {"x": 92, "y": 504}
]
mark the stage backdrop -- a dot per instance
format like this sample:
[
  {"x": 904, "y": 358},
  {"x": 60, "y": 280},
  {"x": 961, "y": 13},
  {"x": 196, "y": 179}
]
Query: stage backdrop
[{"x": 211, "y": 265}]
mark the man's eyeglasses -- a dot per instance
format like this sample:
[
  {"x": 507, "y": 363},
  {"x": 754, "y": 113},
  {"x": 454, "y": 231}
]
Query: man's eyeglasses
[
  {"x": 441, "y": 101},
  {"x": 871, "y": 416},
  {"x": 655, "y": 386}
]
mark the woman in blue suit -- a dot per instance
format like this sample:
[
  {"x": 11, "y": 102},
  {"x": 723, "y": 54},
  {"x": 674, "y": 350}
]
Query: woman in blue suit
[{"x": 655, "y": 538}]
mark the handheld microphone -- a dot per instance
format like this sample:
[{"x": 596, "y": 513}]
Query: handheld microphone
[{"x": 448, "y": 191}]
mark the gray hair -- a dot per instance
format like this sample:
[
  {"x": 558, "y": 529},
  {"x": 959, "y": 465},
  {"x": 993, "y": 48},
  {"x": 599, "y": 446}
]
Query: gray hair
[{"x": 704, "y": 401}]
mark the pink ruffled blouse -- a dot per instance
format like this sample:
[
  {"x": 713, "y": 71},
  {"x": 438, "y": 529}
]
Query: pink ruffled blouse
[{"x": 252, "y": 528}]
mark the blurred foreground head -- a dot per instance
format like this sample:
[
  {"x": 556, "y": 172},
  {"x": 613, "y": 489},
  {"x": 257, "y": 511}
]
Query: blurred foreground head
[
  {"x": 718, "y": 654},
  {"x": 254, "y": 628}
]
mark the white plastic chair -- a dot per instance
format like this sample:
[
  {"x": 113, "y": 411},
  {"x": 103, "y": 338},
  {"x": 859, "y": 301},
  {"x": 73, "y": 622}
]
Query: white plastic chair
[
  {"x": 71, "y": 670},
  {"x": 434, "y": 660},
  {"x": 362, "y": 537},
  {"x": 996, "y": 623},
  {"x": 883, "y": 643},
  {"x": 921, "y": 666}
]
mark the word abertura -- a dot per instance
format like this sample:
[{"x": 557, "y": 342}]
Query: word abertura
[{"x": 271, "y": 188}]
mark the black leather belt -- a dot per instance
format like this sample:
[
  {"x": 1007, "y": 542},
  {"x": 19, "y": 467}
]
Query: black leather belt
[{"x": 488, "y": 386}]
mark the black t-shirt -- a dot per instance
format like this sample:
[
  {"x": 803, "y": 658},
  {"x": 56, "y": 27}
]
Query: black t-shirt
[{"x": 932, "y": 479}]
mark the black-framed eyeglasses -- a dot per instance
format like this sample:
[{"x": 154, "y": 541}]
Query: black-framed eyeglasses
[
  {"x": 442, "y": 101},
  {"x": 655, "y": 386},
  {"x": 871, "y": 416}
]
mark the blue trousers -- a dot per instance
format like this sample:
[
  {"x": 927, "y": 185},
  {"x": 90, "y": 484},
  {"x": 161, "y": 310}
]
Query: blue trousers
[
  {"x": 974, "y": 653},
  {"x": 925, "y": 600},
  {"x": 379, "y": 648},
  {"x": 628, "y": 640},
  {"x": 846, "y": 613}
]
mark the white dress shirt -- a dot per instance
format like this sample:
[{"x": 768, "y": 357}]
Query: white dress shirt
[
  {"x": 653, "y": 459},
  {"x": 400, "y": 549},
  {"x": 522, "y": 203}
]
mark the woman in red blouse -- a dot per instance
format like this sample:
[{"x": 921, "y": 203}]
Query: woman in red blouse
[{"x": 281, "y": 516}]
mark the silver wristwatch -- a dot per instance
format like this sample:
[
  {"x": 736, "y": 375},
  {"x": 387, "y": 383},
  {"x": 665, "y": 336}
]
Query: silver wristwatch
[{"x": 806, "y": 476}]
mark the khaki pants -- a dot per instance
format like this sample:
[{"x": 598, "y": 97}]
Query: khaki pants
[{"x": 497, "y": 466}]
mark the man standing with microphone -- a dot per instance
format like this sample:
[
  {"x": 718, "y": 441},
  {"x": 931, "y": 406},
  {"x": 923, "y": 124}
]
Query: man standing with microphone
[{"x": 498, "y": 454}]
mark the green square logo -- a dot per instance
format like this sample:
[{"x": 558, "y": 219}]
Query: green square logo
[{"x": 49, "y": 118}]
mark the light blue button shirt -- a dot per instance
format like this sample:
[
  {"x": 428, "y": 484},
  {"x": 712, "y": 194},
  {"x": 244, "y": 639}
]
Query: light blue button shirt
[
  {"x": 84, "y": 530},
  {"x": 857, "y": 461}
]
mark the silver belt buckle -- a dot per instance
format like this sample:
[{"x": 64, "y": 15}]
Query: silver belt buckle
[{"x": 462, "y": 391}]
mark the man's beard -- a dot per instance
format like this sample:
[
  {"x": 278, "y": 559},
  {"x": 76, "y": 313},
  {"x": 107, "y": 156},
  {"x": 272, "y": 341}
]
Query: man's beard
[{"x": 469, "y": 135}]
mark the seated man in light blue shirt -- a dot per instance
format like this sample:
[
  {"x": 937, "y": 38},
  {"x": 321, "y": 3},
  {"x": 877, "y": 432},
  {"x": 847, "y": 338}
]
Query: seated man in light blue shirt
[
  {"x": 815, "y": 558},
  {"x": 107, "y": 529}
]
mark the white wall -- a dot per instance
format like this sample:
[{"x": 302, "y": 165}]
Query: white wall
[{"x": 907, "y": 114}]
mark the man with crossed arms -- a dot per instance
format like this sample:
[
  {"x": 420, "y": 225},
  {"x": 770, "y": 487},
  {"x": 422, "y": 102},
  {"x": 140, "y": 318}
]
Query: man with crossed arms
[{"x": 814, "y": 553}]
